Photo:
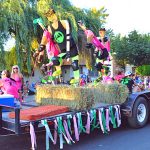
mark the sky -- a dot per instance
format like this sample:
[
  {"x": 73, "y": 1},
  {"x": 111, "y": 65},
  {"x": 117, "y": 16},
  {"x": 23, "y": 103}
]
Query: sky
[{"x": 124, "y": 15}]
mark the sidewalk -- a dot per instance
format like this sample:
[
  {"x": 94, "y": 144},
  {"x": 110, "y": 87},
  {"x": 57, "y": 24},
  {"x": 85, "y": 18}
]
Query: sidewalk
[{"x": 29, "y": 101}]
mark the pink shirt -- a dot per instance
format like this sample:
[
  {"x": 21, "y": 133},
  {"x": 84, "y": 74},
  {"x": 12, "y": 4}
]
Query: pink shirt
[
  {"x": 107, "y": 79},
  {"x": 9, "y": 87},
  {"x": 119, "y": 77},
  {"x": 18, "y": 81}
]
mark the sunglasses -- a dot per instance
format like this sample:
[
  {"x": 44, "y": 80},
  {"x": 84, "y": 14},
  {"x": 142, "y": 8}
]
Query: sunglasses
[{"x": 15, "y": 68}]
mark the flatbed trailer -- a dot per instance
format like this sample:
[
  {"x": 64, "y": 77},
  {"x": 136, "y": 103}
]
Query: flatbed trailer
[{"x": 135, "y": 109}]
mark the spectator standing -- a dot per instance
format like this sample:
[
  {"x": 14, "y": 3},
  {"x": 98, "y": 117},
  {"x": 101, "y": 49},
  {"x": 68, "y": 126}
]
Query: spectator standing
[
  {"x": 18, "y": 77},
  {"x": 128, "y": 81}
]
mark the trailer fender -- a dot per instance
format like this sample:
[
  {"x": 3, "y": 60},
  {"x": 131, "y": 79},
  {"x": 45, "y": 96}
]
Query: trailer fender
[{"x": 127, "y": 106}]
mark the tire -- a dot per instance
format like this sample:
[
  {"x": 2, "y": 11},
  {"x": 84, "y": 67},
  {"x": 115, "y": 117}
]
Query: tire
[{"x": 140, "y": 113}]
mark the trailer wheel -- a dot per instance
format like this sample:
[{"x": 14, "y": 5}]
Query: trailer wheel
[{"x": 140, "y": 113}]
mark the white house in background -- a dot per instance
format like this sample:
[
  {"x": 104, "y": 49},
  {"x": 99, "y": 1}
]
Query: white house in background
[{"x": 129, "y": 67}]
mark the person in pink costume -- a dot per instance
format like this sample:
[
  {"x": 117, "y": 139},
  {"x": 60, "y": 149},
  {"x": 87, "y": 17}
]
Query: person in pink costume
[
  {"x": 119, "y": 76},
  {"x": 18, "y": 77},
  {"x": 106, "y": 75},
  {"x": 8, "y": 85},
  {"x": 51, "y": 52}
]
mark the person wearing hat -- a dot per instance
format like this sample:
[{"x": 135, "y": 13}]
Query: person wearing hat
[{"x": 128, "y": 81}]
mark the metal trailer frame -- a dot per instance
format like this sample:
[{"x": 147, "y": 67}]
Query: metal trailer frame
[{"x": 19, "y": 127}]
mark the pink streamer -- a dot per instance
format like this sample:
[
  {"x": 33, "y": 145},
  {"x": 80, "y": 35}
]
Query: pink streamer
[
  {"x": 67, "y": 131},
  {"x": 33, "y": 137},
  {"x": 107, "y": 119},
  {"x": 88, "y": 123},
  {"x": 76, "y": 128},
  {"x": 55, "y": 132}
]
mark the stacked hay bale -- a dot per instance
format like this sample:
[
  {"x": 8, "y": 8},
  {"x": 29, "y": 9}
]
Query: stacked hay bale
[
  {"x": 110, "y": 93},
  {"x": 81, "y": 98}
]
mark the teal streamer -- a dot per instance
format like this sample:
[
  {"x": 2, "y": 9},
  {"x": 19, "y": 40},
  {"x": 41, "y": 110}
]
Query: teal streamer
[
  {"x": 69, "y": 123},
  {"x": 80, "y": 123},
  {"x": 93, "y": 119},
  {"x": 112, "y": 117},
  {"x": 103, "y": 120},
  {"x": 60, "y": 131},
  {"x": 48, "y": 133}
]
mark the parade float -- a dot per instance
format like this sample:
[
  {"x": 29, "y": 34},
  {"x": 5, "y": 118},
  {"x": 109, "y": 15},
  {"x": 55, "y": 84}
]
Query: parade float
[
  {"x": 63, "y": 114},
  {"x": 65, "y": 111}
]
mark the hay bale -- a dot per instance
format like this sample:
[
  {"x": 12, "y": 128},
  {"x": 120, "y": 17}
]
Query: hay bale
[
  {"x": 110, "y": 93},
  {"x": 81, "y": 98},
  {"x": 76, "y": 98}
]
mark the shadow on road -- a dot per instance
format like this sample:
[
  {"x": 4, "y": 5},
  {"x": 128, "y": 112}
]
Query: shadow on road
[{"x": 122, "y": 138}]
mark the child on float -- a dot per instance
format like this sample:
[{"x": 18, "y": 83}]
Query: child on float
[
  {"x": 106, "y": 75},
  {"x": 8, "y": 85}
]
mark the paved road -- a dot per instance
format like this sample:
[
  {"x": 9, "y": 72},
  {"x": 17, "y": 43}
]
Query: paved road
[{"x": 119, "y": 139}]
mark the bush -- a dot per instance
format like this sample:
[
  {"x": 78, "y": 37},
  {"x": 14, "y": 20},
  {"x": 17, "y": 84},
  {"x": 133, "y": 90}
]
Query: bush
[{"x": 143, "y": 70}]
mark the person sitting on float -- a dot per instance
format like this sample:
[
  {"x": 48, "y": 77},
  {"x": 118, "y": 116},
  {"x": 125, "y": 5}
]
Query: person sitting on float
[
  {"x": 106, "y": 75},
  {"x": 8, "y": 85}
]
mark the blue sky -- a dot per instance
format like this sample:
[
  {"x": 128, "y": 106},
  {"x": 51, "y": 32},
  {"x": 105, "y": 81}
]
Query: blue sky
[{"x": 124, "y": 15}]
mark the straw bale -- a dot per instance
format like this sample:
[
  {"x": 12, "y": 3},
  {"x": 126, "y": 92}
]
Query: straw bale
[{"x": 81, "y": 98}]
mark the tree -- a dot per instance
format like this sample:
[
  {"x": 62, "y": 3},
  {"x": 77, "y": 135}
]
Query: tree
[
  {"x": 133, "y": 49},
  {"x": 16, "y": 19},
  {"x": 143, "y": 70}
]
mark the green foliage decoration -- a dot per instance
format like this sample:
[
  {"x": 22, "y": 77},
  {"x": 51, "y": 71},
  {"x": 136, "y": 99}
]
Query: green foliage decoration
[{"x": 143, "y": 70}]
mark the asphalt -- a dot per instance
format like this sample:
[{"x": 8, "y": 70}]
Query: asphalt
[{"x": 123, "y": 138}]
